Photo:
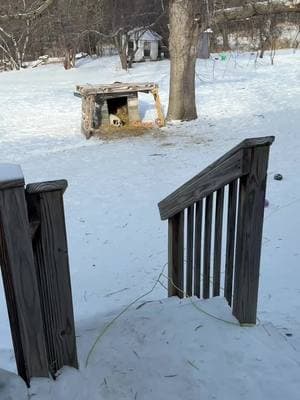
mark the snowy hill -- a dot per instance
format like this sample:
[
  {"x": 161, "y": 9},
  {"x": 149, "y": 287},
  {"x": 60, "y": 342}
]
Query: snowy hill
[{"x": 118, "y": 244}]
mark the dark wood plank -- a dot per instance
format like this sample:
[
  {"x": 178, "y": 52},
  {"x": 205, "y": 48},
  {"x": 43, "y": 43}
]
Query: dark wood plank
[
  {"x": 226, "y": 169},
  {"x": 218, "y": 242},
  {"x": 197, "y": 254},
  {"x": 190, "y": 251},
  {"x": 52, "y": 264},
  {"x": 249, "y": 237},
  {"x": 207, "y": 246},
  {"x": 175, "y": 256},
  {"x": 230, "y": 240},
  {"x": 202, "y": 185},
  {"x": 21, "y": 287}
]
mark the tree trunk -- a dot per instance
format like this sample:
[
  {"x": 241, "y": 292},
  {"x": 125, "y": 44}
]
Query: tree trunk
[
  {"x": 183, "y": 45},
  {"x": 262, "y": 44},
  {"x": 224, "y": 32},
  {"x": 186, "y": 21},
  {"x": 123, "y": 58},
  {"x": 69, "y": 58},
  {"x": 121, "y": 45}
]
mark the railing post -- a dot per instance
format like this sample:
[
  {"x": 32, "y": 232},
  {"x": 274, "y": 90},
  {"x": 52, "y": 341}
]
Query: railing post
[
  {"x": 175, "y": 255},
  {"x": 19, "y": 276},
  {"x": 45, "y": 205},
  {"x": 249, "y": 234}
]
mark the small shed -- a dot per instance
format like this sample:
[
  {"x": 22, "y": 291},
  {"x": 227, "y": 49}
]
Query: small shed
[
  {"x": 114, "y": 105},
  {"x": 144, "y": 45}
]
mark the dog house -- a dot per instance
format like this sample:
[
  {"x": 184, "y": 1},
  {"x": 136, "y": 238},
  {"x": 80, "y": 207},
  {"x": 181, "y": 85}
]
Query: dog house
[{"x": 114, "y": 106}]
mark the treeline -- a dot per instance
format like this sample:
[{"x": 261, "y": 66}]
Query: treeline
[{"x": 62, "y": 28}]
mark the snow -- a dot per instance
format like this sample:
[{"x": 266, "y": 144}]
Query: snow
[
  {"x": 10, "y": 172},
  {"x": 118, "y": 245}
]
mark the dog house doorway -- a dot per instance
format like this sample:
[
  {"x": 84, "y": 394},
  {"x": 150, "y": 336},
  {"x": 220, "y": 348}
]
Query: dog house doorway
[{"x": 119, "y": 106}]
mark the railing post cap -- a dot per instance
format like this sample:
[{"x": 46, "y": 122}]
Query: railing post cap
[
  {"x": 11, "y": 175},
  {"x": 50, "y": 186}
]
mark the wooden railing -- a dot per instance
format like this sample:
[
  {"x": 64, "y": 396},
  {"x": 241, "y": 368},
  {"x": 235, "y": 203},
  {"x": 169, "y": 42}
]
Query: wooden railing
[
  {"x": 35, "y": 270},
  {"x": 196, "y": 239}
]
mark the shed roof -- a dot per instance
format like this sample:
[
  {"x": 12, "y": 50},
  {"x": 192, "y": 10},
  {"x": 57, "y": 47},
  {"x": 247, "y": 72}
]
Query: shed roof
[{"x": 144, "y": 35}]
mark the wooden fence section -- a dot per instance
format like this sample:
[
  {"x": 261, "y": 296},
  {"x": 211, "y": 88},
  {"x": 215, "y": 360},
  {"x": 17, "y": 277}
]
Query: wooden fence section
[
  {"x": 35, "y": 271},
  {"x": 237, "y": 180}
]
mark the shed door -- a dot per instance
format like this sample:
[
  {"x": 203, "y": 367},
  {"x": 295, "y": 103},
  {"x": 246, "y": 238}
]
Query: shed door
[{"x": 147, "y": 49}]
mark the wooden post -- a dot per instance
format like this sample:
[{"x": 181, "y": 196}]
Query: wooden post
[
  {"x": 88, "y": 108},
  {"x": 176, "y": 251},
  {"x": 158, "y": 106},
  {"x": 19, "y": 276},
  {"x": 45, "y": 204},
  {"x": 249, "y": 235}
]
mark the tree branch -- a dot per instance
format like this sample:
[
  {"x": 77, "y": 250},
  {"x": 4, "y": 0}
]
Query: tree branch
[
  {"x": 29, "y": 14},
  {"x": 254, "y": 9}
]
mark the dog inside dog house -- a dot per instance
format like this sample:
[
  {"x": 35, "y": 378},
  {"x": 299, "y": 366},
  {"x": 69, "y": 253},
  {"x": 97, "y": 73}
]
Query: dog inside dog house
[{"x": 113, "y": 107}]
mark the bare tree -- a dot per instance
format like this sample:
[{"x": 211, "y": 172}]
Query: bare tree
[
  {"x": 16, "y": 28},
  {"x": 187, "y": 19}
]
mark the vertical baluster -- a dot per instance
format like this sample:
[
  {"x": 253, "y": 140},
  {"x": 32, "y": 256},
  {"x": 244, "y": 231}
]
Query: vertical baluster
[
  {"x": 230, "y": 244},
  {"x": 176, "y": 251},
  {"x": 218, "y": 242},
  {"x": 190, "y": 250},
  {"x": 207, "y": 246},
  {"x": 197, "y": 254}
]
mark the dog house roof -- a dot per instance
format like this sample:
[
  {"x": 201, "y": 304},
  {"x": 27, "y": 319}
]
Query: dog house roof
[{"x": 116, "y": 87}]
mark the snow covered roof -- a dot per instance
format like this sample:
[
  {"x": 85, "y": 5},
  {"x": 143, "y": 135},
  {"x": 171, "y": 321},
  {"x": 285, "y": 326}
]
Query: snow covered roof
[{"x": 144, "y": 35}]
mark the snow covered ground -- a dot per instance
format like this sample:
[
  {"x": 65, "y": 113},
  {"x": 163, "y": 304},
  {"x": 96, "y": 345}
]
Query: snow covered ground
[{"x": 118, "y": 245}]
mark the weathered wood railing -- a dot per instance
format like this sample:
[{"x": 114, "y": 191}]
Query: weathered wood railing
[
  {"x": 196, "y": 214},
  {"x": 35, "y": 270}
]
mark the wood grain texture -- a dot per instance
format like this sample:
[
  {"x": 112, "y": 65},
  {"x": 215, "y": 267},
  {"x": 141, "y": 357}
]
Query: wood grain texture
[
  {"x": 52, "y": 265},
  {"x": 207, "y": 246},
  {"x": 175, "y": 256},
  {"x": 249, "y": 237},
  {"x": 218, "y": 242},
  {"x": 230, "y": 241},
  {"x": 49, "y": 186},
  {"x": 190, "y": 251},
  {"x": 21, "y": 287},
  {"x": 226, "y": 169},
  {"x": 211, "y": 179},
  {"x": 117, "y": 87},
  {"x": 197, "y": 254},
  {"x": 246, "y": 166}
]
